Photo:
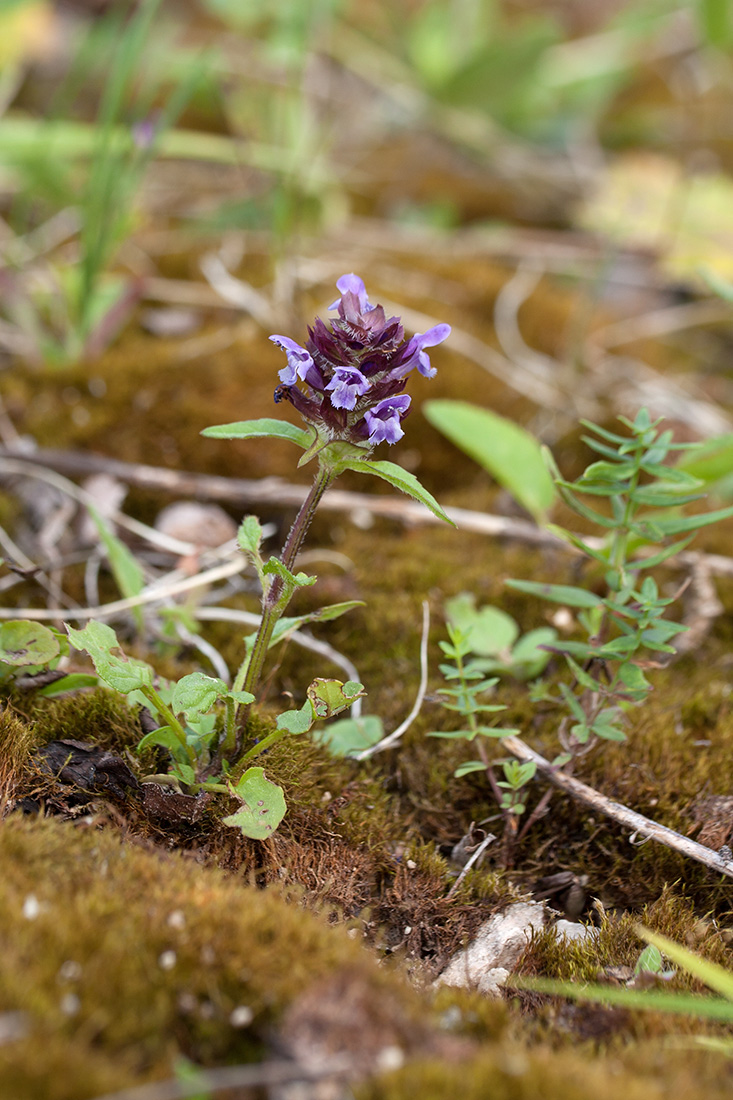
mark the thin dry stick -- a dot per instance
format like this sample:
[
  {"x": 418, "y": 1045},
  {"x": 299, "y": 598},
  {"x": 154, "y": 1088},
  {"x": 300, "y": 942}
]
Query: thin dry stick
[
  {"x": 273, "y": 490},
  {"x": 618, "y": 812},
  {"x": 476, "y": 856},
  {"x": 391, "y": 739},
  {"x": 232, "y": 1077}
]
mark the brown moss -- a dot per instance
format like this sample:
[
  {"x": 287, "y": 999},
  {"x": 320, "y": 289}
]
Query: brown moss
[
  {"x": 140, "y": 957},
  {"x": 510, "y": 1072}
]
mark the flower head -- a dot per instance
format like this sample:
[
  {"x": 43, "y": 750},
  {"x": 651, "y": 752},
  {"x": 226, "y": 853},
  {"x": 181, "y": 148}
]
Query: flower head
[{"x": 354, "y": 369}]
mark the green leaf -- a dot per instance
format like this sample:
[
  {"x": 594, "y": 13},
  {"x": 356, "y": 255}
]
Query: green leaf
[
  {"x": 468, "y": 767},
  {"x": 488, "y": 630},
  {"x": 530, "y": 657},
  {"x": 330, "y": 697},
  {"x": 659, "y": 496},
  {"x": 712, "y": 461},
  {"x": 274, "y": 567},
  {"x": 510, "y": 454},
  {"x": 616, "y": 472},
  {"x": 611, "y": 437},
  {"x": 663, "y": 555},
  {"x": 400, "y": 479},
  {"x": 288, "y": 624},
  {"x": 618, "y": 647},
  {"x": 124, "y": 565},
  {"x": 557, "y": 593},
  {"x": 498, "y": 731},
  {"x": 297, "y": 721},
  {"x": 673, "y": 474},
  {"x": 163, "y": 736},
  {"x": 578, "y": 542},
  {"x": 242, "y": 697},
  {"x": 712, "y": 1008},
  {"x": 263, "y": 805},
  {"x": 249, "y": 537},
  {"x": 121, "y": 673},
  {"x": 350, "y": 736},
  {"x": 649, "y": 961},
  {"x": 26, "y": 643},
  {"x": 584, "y": 678},
  {"x": 266, "y": 428},
  {"x": 454, "y": 735},
  {"x": 714, "y": 976},
  {"x": 73, "y": 682},
  {"x": 196, "y": 694},
  {"x": 582, "y": 509},
  {"x": 573, "y": 704},
  {"x": 677, "y": 525},
  {"x": 633, "y": 678}
]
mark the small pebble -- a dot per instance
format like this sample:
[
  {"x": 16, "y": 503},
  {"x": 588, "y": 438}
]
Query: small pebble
[
  {"x": 31, "y": 907},
  {"x": 167, "y": 960},
  {"x": 70, "y": 1004},
  {"x": 70, "y": 971},
  {"x": 241, "y": 1016}
]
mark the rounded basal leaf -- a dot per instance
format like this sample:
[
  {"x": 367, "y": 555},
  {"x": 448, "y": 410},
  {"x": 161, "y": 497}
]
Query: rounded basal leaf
[
  {"x": 489, "y": 631},
  {"x": 296, "y": 721},
  {"x": 26, "y": 643},
  {"x": 349, "y": 736},
  {"x": 197, "y": 693},
  {"x": 510, "y": 454},
  {"x": 263, "y": 805},
  {"x": 163, "y": 736},
  {"x": 329, "y": 697}
]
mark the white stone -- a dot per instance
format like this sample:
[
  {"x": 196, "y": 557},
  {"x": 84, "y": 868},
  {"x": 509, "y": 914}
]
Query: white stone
[
  {"x": 488, "y": 960},
  {"x": 571, "y": 930}
]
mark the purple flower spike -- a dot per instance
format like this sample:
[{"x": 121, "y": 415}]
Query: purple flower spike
[
  {"x": 348, "y": 381},
  {"x": 352, "y": 284},
  {"x": 414, "y": 352},
  {"x": 299, "y": 360},
  {"x": 347, "y": 384},
  {"x": 383, "y": 421}
]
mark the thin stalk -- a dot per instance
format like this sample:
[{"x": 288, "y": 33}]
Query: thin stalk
[
  {"x": 152, "y": 695},
  {"x": 273, "y": 601}
]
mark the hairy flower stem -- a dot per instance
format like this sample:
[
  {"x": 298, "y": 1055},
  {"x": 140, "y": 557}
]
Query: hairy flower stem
[{"x": 275, "y": 600}]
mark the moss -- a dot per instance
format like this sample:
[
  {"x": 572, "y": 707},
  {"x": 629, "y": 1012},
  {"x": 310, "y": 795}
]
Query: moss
[
  {"x": 100, "y": 716},
  {"x": 133, "y": 958},
  {"x": 16, "y": 743},
  {"x": 510, "y": 1072},
  {"x": 615, "y": 942}
]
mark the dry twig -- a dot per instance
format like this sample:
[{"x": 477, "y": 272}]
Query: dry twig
[{"x": 619, "y": 813}]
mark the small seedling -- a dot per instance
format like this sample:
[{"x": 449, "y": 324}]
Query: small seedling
[{"x": 625, "y": 623}]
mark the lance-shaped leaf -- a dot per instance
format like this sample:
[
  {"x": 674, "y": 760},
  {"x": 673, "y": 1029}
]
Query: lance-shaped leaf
[
  {"x": 125, "y": 566},
  {"x": 557, "y": 593},
  {"x": 510, "y": 454},
  {"x": 263, "y": 805},
  {"x": 400, "y": 479},
  {"x": 266, "y": 428}
]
